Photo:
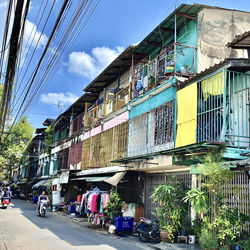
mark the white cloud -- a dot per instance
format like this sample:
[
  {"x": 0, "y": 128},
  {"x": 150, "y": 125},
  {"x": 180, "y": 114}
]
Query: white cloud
[
  {"x": 90, "y": 65},
  {"x": 58, "y": 98},
  {"x": 31, "y": 33}
]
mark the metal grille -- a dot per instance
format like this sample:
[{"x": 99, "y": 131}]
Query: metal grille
[
  {"x": 164, "y": 124},
  {"x": 223, "y": 110},
  {"x": 138, "y": 135},
  {"x": 210, "y": 109},
  {"x": 101, "y": 149},
  {"x": 152, "y": 181},
  {"x": 238, "y": 109},
  {"x": 63, "y": 159},
  {"x": 85, "y": 153},
  {"x": 237, "y": 192},
  {"x": 121, "y": 133}
]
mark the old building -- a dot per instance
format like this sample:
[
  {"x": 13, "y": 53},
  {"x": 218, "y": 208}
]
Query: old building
[{"x": 181, "y": 91}]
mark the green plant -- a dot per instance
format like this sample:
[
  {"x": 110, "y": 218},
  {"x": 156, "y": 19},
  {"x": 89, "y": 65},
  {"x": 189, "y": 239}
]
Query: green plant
[
  {"x": 114, "y": 205},
  {"x": 48, "y": 139},
  {"x": 164, "y": 194},
  {"x": 199, "y": 201},
  {"x": 170, "y": 229},
  {"x": 207, "y": 240},
  {"x": 172, "y": 213},
  {"x": 213, "y": 177},
  {"x": 196, "y": 228},
  {"x": 228, "y": 224},
  {"x": 244, "y": 244}
]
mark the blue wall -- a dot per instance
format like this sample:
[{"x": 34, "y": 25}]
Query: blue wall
[
  {"x": 153, "y": 102},
  {"x": 188, "y": 36}
]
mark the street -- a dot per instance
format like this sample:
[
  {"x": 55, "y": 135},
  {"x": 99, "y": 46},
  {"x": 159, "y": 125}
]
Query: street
[{"x": 22, "y": 229}]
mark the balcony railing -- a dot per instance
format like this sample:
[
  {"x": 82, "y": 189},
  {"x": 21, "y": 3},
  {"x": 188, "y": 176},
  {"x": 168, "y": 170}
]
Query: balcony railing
[
  {"x": 223, "y": 109},
  {"x": 114, "y": 102},
  {"x": 148, "y": 74}
]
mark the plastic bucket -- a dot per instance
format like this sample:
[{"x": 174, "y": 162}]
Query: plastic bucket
[{"x": 191, "y": 239}]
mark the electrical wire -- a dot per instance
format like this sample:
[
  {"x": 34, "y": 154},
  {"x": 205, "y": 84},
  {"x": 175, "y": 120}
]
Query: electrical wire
[
  {"x": 56, "y": 49},
  {"x": 72, "y": 40}
]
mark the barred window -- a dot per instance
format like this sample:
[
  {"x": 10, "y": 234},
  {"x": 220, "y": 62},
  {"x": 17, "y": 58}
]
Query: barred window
[{"x": 164, "y": 123}]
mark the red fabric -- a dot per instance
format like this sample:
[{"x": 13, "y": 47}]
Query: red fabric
[
  {"x": 75, "y": 154},
  {"x": 93, "y": 203}
]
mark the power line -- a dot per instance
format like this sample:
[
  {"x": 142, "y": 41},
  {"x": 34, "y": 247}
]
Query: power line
[{"x": 15, "y": 43}]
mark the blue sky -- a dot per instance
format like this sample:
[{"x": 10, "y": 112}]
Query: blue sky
[{"x": 114, "y": 25}]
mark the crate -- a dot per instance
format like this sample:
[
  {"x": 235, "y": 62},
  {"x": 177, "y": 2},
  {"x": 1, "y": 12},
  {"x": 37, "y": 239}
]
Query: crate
[{"x": 123, "y": 223}]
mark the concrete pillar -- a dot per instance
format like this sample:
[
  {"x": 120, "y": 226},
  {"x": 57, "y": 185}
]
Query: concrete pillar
[{"x": 193, "y": 186}]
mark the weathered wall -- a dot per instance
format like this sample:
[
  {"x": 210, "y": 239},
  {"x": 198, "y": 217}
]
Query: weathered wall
[
  {"x": 216, "y": 28},
  {"x": 153, "y": 102},
  {"x": 99, "y": 150}
]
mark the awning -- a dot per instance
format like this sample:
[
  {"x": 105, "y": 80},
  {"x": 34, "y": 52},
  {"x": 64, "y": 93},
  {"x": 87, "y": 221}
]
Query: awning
[
  {"x": 92, "y": 179},
  {"x": 115, "y": 179},
  {"x": 104, "y": 170},
  {"x": 38, "y": 184},
  {"x": 48, "y": 183}
]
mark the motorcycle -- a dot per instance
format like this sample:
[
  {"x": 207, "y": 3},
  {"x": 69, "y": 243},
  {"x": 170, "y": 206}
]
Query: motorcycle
[
  {"x": 43, "y": 208},
  {"x": 5, "y": 202},
  {"x": 148, "y": 229}
]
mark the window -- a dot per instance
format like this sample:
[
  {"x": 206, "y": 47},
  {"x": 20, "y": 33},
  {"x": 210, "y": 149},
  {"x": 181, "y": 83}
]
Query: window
[
  {"x": 164, "y": 124},
  {"x": 54, "y": 187},
  {"x": 138, "y": 135}
]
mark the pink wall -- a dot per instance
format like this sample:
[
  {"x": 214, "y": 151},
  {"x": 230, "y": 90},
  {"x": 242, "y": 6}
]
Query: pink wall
[{"x": 107, "y": 125}]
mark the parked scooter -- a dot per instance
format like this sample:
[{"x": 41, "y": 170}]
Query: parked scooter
[
  {"x": 148, "y": 229},
  {"x": 5, "y": 202},
  {"x": 43, "y": 208}
]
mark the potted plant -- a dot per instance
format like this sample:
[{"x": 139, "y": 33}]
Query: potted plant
[
  {"x": 166, "y": 229},
  {"x": 114, "y": 205},
  {"x": 167, "y": 233},
  {"x": 170, "y": 211}
]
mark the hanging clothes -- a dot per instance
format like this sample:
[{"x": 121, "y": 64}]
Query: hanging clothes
[
  {"x": 93, "y": 203},
  {"x": 105, "y": 198},
  {"x": 213, "y": 85},
  {"x": 186, "y": 115}
]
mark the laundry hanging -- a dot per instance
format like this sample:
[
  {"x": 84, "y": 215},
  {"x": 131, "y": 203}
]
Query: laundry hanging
[
  {"x": 213, "y": 85},
  {"x": 186, "y": 115}
]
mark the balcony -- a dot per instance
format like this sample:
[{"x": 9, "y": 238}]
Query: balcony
[
  {"x": 113, "y": 102},
  {"x": 178, "y": 60}
]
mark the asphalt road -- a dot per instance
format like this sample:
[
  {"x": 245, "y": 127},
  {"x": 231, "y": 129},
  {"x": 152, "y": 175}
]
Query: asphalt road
[{"x": 22, "y": 229}]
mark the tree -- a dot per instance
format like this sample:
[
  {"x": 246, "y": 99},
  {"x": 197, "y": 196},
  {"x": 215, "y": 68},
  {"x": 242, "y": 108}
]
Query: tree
[
  {"x": 13, "y": 145},
  {"x": 48, "y": 139}
]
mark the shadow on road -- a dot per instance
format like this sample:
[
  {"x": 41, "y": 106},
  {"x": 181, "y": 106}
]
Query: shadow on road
[{"x": 73, "y": 233}]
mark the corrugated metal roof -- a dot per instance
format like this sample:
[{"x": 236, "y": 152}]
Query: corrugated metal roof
[
  {"x": 238, "y": 64},
  {"x": 112, "y": 72},
  {"x": 38, "y": 184},
  {"x": 92, "y": 179},
  {"x": 241, "y": 41},
  {"x": 78, "y": 106},
  {"x": 166, "y": 28}
]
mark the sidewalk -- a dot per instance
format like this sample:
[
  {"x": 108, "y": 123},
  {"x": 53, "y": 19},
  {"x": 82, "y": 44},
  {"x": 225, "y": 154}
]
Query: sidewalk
[{"x": 132, "y": 237}]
